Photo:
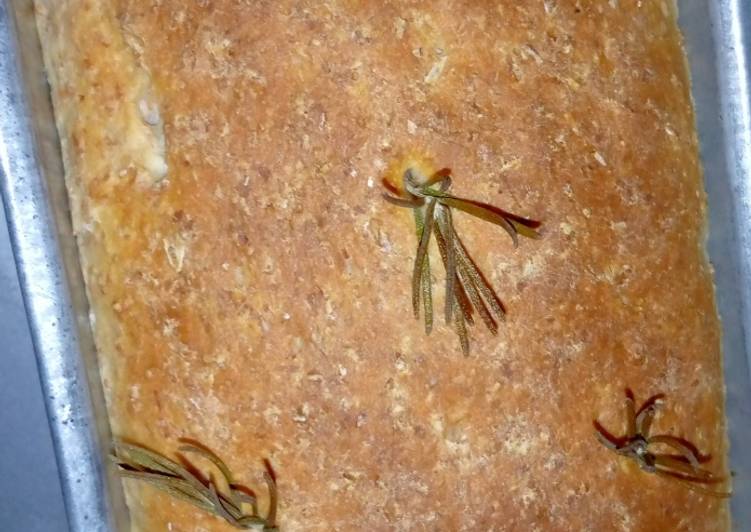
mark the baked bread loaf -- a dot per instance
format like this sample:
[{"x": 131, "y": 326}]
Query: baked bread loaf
[{"x": 250, "y": 288}]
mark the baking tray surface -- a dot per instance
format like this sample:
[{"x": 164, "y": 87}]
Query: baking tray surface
[{"x": 717, "y": 37}]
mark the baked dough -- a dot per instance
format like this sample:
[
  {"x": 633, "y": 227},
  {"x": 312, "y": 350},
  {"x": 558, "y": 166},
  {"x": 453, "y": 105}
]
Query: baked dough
[{"x": 250, "y": 288}]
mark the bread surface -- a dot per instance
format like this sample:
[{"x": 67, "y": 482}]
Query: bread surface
[{"x": 251, "y": 289}]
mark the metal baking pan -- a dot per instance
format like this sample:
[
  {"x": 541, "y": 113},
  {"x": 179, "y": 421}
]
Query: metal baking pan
[
  {"x": 718, "y": 41},
  {"x": 34, "y": 195}
]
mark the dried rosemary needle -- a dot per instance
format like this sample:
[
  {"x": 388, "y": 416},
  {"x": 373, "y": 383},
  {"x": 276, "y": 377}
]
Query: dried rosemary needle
[
  {"x": 662, "y": 454},
  {"x": 228, "y": 501},
  {"x": 467, "y": 289}
]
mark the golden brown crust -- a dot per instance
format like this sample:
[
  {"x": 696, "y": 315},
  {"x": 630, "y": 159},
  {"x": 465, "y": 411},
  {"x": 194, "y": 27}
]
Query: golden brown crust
[{"x": 257, "y": 298}]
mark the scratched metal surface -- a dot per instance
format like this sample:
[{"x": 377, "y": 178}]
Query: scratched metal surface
[
  {"x": 718, "y": 40},
  {"x": 35, "y": 203},
  {"x": 717, "y": 36},
  {"x": 27, "y": 460}
]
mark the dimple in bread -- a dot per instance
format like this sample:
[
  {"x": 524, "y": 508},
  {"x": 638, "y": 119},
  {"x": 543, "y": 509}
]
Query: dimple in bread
[{"x": 250, "y": 288}]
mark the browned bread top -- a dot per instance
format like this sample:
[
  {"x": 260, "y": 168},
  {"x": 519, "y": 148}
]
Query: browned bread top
[{"x": 251, "y": 289}]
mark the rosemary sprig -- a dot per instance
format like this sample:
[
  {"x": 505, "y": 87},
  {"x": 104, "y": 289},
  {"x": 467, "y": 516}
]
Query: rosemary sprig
[
  {"x": 467, "y": 289},
  {"x": 179, "y": 481},
  {"x": 683, "y": 461}
]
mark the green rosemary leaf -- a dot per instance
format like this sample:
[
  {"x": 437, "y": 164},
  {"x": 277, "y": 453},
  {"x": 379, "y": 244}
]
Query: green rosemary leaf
[
  {"x": 422, "y": 249},
  {"x": 524, "y": 230},
  {"x": 646, "y": 414},
  {"x": 425, "y": 282},
  {"x": 190, "y": 447},
  {"x": 142, "y": 458},
  {"x": 511, "y": 223},
  {"x": 681, "y": 465},
  {"x": 523, "y": 225},
  {"x": 191, "y": 478},
  {"x": 461, "y": 331},
  {"x": 630, "y": 416},
  {"x": 461, "y": 299},
  {"x": 241, "y": 496},
  {"x": 468, "y": 296},
  {"x": 401, "y": 202},
  {"x": 612, "y": 445},
  {"x": 466, "y": 288},
  {"x": 477, "y": 279},
  {"x": 420, "y": 228},
  {"x": 142, "y": 464},
  {"x": 223, "y": 510},
  {"x": 173, "y": 486},
  {"x": 236, "y": 496},
  {"x": 475, "y": 299},
  {"x": 273, "y": 496},
  {"x": 637, "y": 445},
  {"x": 516, "y": 219},
  {"x": 483, "y": 213},
  {"x": 665, "y": 467},
  {"x": 643, "y": 422},
  {"x": 446, "y": 227},
  {"x": 427, "y": 296},
  {"x": 676, "y": 443},
  {"x": 422, "y": 268},
  {"x": 250, "y": 521},
  {"x": 234, "y": 508},
  {"x": 691, "y": 484}
]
